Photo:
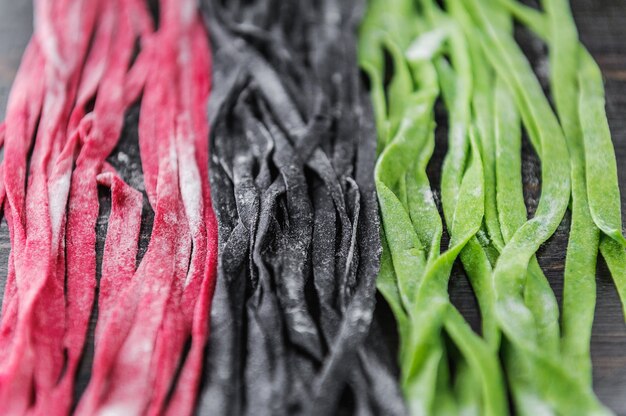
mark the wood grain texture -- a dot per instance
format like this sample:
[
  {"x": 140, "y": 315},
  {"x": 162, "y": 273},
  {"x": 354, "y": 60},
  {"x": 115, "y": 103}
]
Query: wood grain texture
[{"x": 602, "y": 26}]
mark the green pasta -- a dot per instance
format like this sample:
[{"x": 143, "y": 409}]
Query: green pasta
[
  {"x": 596, "y": 136},
  {"x": 580, "y": 266},
  {"x": 463, "y": 54},
  {"x": 547, "y": 137},
  {"x": 413, "y": 227}
]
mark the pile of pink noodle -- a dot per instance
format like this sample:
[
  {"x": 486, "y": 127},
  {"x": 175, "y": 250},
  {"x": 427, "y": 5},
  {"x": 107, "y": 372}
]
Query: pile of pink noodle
[{"x": 87, "y": 63}]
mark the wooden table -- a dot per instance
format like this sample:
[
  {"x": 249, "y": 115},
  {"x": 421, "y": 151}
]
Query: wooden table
[{"x": 602, "y": 26}]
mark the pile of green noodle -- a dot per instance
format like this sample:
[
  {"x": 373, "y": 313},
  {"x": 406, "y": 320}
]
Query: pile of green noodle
[{"x": 529, "y": 357}]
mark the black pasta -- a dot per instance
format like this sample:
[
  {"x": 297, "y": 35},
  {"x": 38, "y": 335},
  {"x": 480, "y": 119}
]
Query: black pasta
[{"x": 292, "y": 160}]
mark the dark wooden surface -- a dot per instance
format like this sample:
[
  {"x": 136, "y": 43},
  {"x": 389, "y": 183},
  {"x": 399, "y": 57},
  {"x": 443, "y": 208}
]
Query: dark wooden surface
[{"x": 602, "y": 26}]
